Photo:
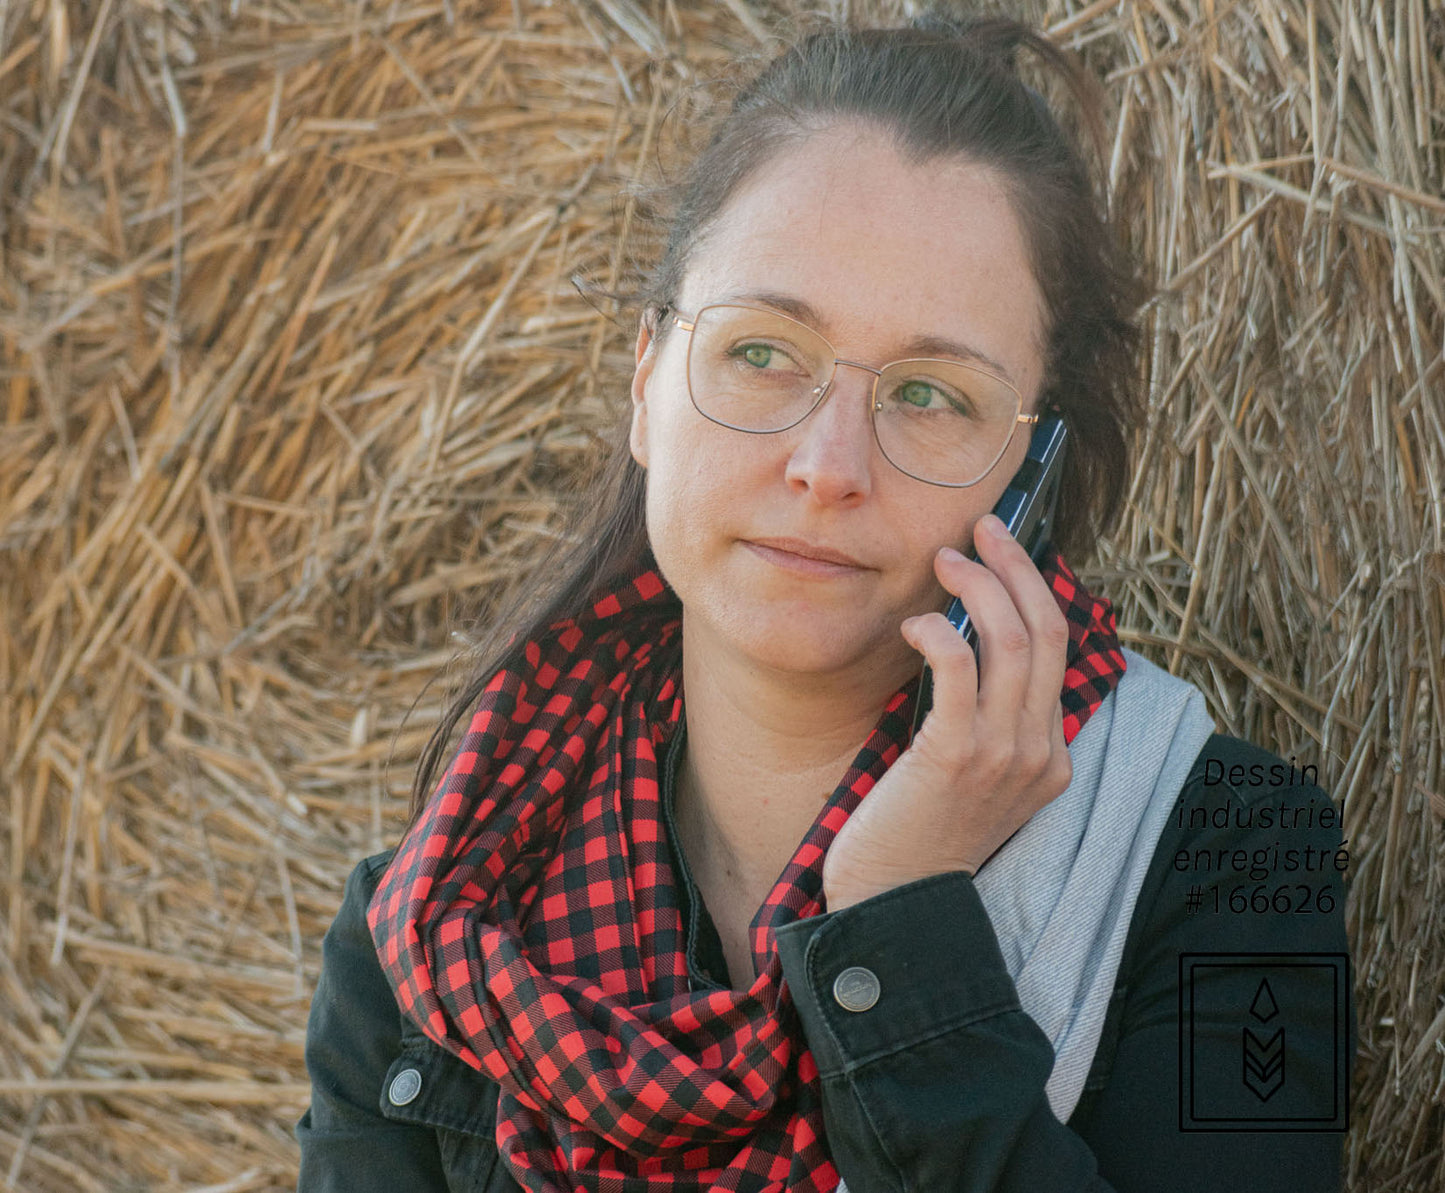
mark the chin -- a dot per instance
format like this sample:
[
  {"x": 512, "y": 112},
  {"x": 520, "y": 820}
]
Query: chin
[{"x": 796, "y": 637}]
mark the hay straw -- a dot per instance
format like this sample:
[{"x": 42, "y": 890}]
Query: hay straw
[{"x": 294, "y": 376}]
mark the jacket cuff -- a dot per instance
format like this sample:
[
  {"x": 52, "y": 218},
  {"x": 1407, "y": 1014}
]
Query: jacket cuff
[{"x": 924, "y": 959}]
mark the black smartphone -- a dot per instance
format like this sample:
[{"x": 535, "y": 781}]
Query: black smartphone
[{"x": 1027, "y": 508}]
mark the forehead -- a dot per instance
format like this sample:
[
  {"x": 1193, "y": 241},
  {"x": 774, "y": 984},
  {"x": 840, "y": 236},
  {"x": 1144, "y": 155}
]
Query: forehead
[{"x": 882, "y": 249}]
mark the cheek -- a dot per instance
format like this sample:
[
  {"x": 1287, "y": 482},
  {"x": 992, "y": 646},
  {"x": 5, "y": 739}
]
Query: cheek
[
  {"x": 936, "y": 528},
  {"x": 692, "y": 489},
  {"x": 960, "y": 540},
  {"x": 701, "y": 464},
  {"x": 950, "y": 524}
]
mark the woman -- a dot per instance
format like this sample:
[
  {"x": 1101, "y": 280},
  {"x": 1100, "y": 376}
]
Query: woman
[{"x": 760, "y": 937}]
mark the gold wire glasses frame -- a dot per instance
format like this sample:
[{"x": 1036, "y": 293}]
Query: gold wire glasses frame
[{"x": 820, "y": 392}]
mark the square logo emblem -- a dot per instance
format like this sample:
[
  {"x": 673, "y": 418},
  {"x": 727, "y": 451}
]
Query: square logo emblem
[{"x": 1264, "y": 1041}]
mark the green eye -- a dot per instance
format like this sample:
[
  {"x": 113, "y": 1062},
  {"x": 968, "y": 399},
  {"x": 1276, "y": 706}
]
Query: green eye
[
  {"x": 917, "y": 393},
  {"x": 758, "y": 355}
]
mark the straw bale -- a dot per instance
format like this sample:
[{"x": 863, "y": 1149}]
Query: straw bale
[{"x": 295, "y": 380}]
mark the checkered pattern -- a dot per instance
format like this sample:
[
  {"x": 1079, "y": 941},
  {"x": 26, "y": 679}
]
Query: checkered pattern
[{"x": 529, "y": 921}]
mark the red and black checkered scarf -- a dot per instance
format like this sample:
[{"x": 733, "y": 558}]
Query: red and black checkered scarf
[{"x": 529, "y": 921}]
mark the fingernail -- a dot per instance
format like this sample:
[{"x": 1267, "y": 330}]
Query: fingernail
[
  {"x": 949, "y": 554},
  {"x": 993, "y": 525}
]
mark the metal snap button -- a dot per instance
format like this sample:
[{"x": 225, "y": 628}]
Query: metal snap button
[
  {"x": 856, "y": 988},
  {"x": 404, "y": 1087}
]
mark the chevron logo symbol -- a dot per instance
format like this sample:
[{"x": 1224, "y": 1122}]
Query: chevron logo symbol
[
  {"x": 1263, "y": 1064},
  {"x": 1263, "y": 1058}
]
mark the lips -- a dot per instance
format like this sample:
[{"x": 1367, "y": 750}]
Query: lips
[{"x": 808, "y": 550}]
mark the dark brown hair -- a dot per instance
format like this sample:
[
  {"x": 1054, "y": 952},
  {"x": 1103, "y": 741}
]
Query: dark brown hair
[{"x": 940, "y": 89}]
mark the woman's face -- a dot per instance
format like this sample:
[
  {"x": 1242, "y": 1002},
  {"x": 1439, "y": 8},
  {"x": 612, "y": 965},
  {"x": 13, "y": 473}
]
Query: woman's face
[{"x": 882, "y": 253}]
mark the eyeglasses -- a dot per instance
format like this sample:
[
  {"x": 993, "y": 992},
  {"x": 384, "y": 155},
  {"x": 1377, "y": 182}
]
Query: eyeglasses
[{"x": 940, "y": 421}]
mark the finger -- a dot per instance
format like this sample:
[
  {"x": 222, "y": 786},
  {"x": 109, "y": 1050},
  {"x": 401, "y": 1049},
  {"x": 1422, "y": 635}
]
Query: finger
[
  {"x": 1059, "y": 749},
  {"x": 955, "y": 674},
  {"x": 1003, "y": 636},
  {"x": 1037, "y": 608}
]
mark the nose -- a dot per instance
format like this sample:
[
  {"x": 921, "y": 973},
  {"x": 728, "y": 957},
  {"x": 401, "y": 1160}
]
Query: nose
[{"x": 833, "y": 453}]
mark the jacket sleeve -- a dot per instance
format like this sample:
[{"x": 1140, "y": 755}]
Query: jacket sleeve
[
  {"x": 939, "y": 1084},
  {"x": 352, "y": 1036}
]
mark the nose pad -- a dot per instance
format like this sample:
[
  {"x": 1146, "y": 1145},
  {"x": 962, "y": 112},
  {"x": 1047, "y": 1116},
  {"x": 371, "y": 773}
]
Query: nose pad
[
  {"x": 821, "y": 393},
  {"x": 823, "y": 397}
]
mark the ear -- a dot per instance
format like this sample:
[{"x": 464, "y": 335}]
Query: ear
[{"x": 646, "y": 358}]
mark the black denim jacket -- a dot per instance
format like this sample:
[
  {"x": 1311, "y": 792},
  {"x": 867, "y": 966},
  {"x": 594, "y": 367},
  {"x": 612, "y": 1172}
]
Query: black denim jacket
[{"x": 939, "y": 1086}]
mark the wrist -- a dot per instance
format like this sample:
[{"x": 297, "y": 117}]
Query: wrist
[{"x": 845, "y": 891}]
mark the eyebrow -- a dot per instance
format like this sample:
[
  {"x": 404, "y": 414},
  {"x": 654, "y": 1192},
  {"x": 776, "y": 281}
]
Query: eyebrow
[{"x": 920, "y": 345}]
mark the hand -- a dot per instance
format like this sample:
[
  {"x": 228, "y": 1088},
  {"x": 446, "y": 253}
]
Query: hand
[{"x": 990, "y": 753}]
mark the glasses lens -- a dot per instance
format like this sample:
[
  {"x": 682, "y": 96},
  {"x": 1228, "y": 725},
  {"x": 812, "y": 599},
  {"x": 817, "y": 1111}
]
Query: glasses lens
[
  {"x": 755, "y": 370},
  {"x": 942, "y": 421}
]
